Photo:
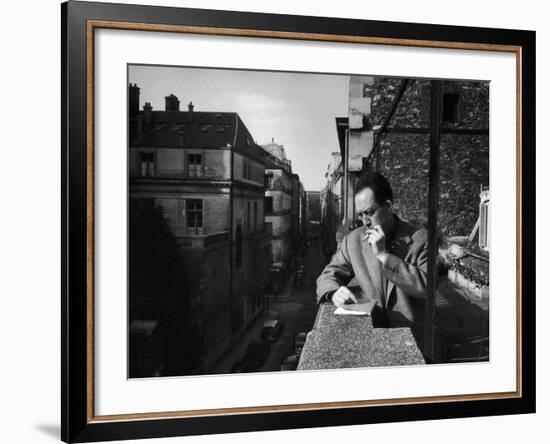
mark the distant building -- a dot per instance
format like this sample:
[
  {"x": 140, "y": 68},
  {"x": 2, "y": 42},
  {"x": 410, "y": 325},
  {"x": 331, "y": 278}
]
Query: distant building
[
  {"x": 331, "y": 205},
  {"x": 283, "y": 197},
  {"x": 206, "y": 172},
  {"x": 278, "y": 151},
  {"x": 301, "y": 199},
  {"x": 297, "y": 213},
  {"x": 313, "y": 206}
]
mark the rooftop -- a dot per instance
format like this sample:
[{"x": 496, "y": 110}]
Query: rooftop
[{"x": 196, "y": 129}]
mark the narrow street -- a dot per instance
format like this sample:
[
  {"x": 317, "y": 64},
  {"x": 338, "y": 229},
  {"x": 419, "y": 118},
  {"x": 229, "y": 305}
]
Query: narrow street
[{"x": 297, "y": 309}]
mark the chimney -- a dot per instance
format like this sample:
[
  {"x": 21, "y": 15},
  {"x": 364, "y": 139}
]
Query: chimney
[
  {"x": 147, "y": 112},
  {"x": 133, "y": 100},
  {"x": 172, "y": 103},
  {"x": 190, "y": 113}
]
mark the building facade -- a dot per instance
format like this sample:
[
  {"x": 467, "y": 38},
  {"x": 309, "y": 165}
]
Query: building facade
[
  {"x": 207, "y": 174},
  {"x": 331, "y": 206},
  {"x": 388, "y": 129},
  {"x": 280, "y": 212},
  {"x": 313, "y": 206}
]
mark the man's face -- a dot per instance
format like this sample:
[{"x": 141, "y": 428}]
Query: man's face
[{"x": 371, "y": 213}]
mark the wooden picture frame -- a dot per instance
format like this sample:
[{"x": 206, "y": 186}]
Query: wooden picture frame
[{"x": 80, "y": 20}]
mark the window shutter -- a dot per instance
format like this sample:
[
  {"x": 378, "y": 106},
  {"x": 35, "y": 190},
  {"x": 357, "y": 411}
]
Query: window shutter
[
  {"x": 483, "y": 225},
  {"x": 181, "y": 213},
  {"x": 206, "y": 216}
]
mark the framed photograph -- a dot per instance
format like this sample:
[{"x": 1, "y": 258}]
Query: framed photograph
[{"x": 275, "y": 221}]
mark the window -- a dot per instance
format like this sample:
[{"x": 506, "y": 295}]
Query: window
[
  {"x": 194, "y": 165},
  {"x": 268, "y": 204},
  {"x": 248, "y": 216},
  {"x": 483, "y": 225},
  {"x": 255, "y": 214},
  {"x": 247, "y": 171},
  {"x": 147, "y": 164},
  {"x": 268, "y": 181},
  {"x": 194, "y": 215},
  {"x": 450, "y": 108},
  {"x": 238, "y": 246}
]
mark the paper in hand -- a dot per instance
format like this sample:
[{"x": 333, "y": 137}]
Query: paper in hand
[{"x": 362, "y": 309}]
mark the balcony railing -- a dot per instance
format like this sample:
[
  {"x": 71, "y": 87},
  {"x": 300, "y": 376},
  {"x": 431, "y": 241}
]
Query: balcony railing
[{"x": 179, "y": 173}]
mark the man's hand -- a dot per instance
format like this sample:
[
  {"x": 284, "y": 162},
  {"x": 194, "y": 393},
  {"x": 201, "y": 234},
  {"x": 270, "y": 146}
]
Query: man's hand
[
  {"x": 377, "y": 240},
  {"x": 343, "y": 296}
]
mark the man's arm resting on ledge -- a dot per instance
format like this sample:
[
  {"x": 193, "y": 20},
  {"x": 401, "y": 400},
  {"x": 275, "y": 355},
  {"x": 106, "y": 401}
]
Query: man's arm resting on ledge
[{"x": 336, "y": 274}]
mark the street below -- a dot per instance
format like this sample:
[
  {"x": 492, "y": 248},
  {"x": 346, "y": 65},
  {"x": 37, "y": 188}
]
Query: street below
[{"x": 297, "y": 308}]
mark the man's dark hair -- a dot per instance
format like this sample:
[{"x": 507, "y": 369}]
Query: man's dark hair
[{"x": 378, "y": 184}]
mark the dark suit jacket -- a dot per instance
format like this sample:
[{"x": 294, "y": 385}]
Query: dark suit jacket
[{"x": 398, "y": 287}]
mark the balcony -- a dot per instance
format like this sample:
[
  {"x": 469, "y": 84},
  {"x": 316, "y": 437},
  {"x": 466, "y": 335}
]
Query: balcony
[
  {"x": 179, "y": 173},
  {"x": 202, "y": 241},
  {"x": 351, "y": 341}
]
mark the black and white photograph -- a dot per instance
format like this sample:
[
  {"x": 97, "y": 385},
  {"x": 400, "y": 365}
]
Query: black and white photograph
[{"x": 284, "y": 221}]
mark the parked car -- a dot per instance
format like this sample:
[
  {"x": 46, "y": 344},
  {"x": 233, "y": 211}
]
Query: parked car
[
  {"x": 271, "y": 330},
  {"x": 256, "y": 354},
  {"x": 299, "y": 278},
  {"x": 290, "y": 363},
  {"x": 299, "y": 342}
]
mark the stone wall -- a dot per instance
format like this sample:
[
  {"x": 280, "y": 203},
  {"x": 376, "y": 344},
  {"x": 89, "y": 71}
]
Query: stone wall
[
  {"x": 403, "y": 157},
  {"x": 403, "y": 160}
]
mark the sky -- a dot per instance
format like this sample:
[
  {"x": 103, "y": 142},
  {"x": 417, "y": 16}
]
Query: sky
[{"x": 296, "y": 110}]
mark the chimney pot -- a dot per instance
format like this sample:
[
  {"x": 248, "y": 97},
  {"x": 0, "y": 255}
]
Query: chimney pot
[
  {"x": 191, "y": 107},
  {"x": 147, "y": 112}
]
